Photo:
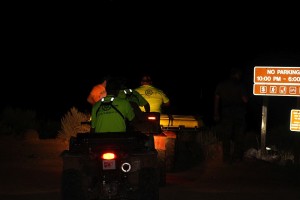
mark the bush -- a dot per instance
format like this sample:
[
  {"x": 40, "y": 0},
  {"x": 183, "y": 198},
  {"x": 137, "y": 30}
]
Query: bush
[
  {"x": 71, "y": 124},
  {"x": 48, "y": 129},
  {"x": 15, "y": 121}
]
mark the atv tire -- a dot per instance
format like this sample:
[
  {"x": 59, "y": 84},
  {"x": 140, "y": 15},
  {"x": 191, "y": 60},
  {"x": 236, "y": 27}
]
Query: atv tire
[
  {"x": 149, "y": 184},
  {"x": 72, "y": 185}
]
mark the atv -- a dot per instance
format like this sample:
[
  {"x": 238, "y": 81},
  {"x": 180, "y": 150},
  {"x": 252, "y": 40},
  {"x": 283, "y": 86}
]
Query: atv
[{"x": 122, "y": 165}]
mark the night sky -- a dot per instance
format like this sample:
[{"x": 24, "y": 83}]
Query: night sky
[{"x": 51, "y": 61}]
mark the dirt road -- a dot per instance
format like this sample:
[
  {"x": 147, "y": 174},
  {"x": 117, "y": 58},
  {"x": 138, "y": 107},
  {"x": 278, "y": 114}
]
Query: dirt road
[
  {"x": 207, "y": 181},
  {"x": 241, "y": 181},
  {"x": 35, "y": 175}
]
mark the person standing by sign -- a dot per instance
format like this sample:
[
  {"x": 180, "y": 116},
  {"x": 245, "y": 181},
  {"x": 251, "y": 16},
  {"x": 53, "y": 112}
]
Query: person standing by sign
[{"x": 230, "y": 115}]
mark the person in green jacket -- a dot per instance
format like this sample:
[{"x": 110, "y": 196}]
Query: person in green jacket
[{"x": 111, "y": 113}]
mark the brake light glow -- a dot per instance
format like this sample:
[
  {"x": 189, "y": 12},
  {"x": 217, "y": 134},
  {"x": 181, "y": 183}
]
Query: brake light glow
[
  {"x": 108, "y": 156},
  {"x": 151, "y": 117}
]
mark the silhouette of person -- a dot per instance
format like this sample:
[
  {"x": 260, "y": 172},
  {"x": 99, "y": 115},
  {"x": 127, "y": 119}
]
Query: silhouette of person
[{"x": 230, "y": 115}]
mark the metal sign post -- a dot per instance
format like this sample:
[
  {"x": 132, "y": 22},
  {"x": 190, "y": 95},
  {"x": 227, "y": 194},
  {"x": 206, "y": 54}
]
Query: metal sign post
[{"x": 264, "y": 126}]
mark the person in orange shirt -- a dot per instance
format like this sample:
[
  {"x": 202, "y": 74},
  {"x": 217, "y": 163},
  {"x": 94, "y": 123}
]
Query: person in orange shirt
[{"x": 97, "y": 93}]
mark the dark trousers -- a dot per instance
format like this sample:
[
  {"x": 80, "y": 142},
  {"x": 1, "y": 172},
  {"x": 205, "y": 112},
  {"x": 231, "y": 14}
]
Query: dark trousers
[{"x": 231, "y": 131}]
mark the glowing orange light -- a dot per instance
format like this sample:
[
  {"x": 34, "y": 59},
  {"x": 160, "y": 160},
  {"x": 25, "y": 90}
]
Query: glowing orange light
[{"x": 108, "y": 156}]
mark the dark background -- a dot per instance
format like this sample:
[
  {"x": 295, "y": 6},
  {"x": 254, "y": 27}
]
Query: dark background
[{"x": 54, "y": 54}]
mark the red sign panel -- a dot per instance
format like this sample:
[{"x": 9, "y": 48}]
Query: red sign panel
[
  {"x": 277, "y": 75},
  {"x": 276, "y": 90}
]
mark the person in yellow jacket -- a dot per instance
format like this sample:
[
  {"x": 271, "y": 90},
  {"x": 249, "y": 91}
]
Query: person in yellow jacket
[{"x": 155, "y": 96}]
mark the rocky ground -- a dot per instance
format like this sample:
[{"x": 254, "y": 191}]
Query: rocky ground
[
  {"x": 26, "y": 163},
  {"x": 33, "y": 166}
]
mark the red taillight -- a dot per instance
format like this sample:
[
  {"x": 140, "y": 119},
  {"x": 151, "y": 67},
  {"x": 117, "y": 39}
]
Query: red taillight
[
  {"x": 108, "y": 156},
  {"x": 151, "y": 117}
]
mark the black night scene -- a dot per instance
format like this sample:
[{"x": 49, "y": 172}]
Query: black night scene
[
  {"x": 52, "y": 73},
  {"x": 52, "y": 58}
]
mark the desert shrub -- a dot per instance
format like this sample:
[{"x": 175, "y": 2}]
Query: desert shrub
[
  {"x": 49, "y": 129},
  {"x": 280, "y": 136},
  {"x": 16, "y": 121},
  {"x": 71, "y": 124},
  {"x": 209, "y": 144},
  {"x": 194, "y": 146},
  {"x": 207, "y": 136}
]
